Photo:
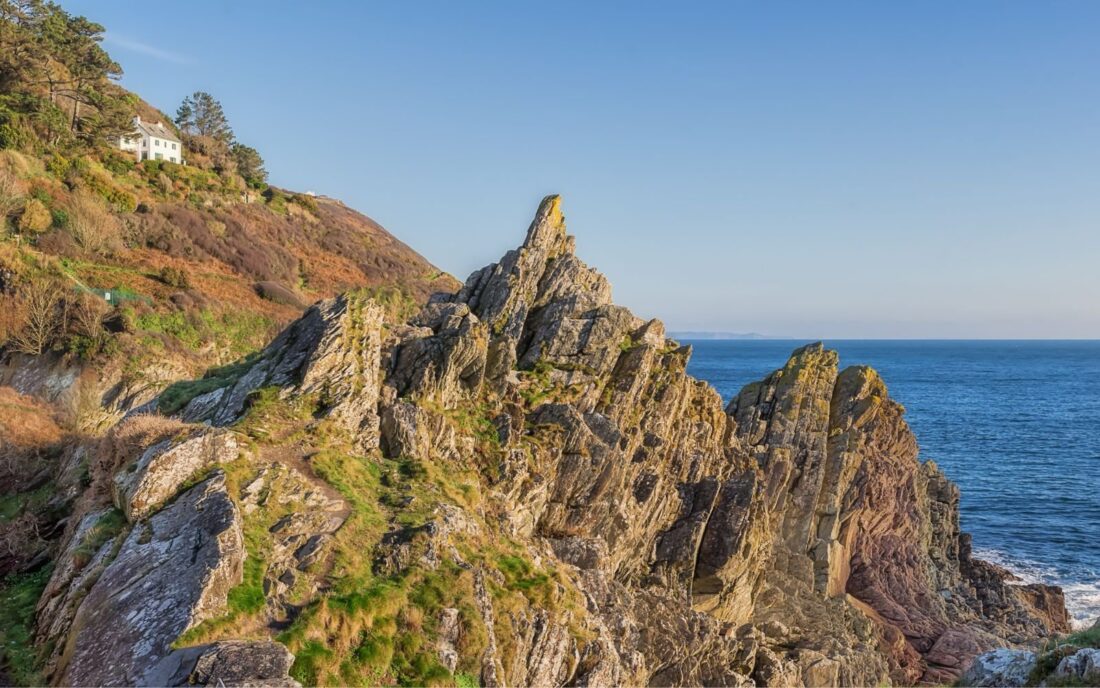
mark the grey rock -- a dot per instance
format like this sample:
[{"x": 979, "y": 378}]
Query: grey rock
[
  {"x": 1082, "y": 666},
  {"x": 1000, "y": 667},
  {"x": 158, "y": 473},
  {"x": 332, "y": 351},
  {"x": 173, "y": 571},
  {"x": 229, "y": 663}
]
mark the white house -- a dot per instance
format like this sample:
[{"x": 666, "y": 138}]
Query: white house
[{"x": 152, "y": 141}]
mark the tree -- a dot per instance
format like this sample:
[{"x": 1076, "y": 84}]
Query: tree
[
  {"x": 93, "y": 228},
  {"x": 56, "y": 77},
  {"x": 41, "y": 306},
  {"x": 201, "y": 114},
  {"x": 249, "y": 164}
]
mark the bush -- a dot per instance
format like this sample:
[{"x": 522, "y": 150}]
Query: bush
[
  {"x": 91, "y": 226},
  {"x": 87, "y": 336},
  {"x": 9, "y": 195},
  {"x": 175, "y": 277},
  {"x": 59, "y": 218},
  {"x": 118, "y": 163},
  {"x": 35, "y": 217},
  {"x": 58, "y": 165}
]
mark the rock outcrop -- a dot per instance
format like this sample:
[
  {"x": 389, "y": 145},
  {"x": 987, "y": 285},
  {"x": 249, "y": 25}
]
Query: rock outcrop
[
  {"x": 623, "y": 526},
  {"x": 171, "y": 572},
  {"x": 331, "y": 352},
  {"x": 157, "y": 475},
  {"x": 803, "y": 502}
]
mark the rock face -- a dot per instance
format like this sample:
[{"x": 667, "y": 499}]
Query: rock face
[
  {"x": 803, "y": 502},
  {"x": 861, "y": 517},
  {"x": 171, "y": 572},
  {"x": 790, "y": 538},
  {"x": 162, "y": 469},
  {"x": 332, "y": 352}
]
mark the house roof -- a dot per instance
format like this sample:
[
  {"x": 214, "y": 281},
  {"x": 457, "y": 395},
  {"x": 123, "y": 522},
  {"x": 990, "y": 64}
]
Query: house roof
[{"x": 156, "y": 129}]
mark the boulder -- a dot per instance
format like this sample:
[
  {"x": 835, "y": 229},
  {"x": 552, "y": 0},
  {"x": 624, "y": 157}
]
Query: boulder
[
  {"x": 1000, "y": 667},
  {"x": 1080, "y": 668},
  {"x": 229, "y": 663},
  {"x": 155, "y": 477}
]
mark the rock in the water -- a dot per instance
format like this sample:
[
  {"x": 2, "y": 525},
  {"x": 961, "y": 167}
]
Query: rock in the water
[{"x": 173, "y": 570}]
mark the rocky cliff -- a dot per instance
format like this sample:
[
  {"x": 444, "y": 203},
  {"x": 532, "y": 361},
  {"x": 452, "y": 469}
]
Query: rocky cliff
[{"x": 520, "y": 486}]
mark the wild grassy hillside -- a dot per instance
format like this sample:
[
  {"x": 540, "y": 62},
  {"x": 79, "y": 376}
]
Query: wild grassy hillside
[{"x": 117, "y": 263}]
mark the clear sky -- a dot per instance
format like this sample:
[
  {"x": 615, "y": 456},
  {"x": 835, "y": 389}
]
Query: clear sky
[{"x": 809, "y": 169}]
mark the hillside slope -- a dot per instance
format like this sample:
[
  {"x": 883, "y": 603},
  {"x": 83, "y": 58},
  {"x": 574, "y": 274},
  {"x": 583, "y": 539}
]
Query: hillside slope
[
  {"x": 145, "y": 271},
  {"x": 519, "y": 486}
]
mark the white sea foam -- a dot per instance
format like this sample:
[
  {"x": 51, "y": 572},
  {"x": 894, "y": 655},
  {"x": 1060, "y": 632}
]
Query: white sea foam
[{"x": 1082, "y": 597}]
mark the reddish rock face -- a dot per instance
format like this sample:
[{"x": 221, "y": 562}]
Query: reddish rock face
[{"x": 884, "y": 529}]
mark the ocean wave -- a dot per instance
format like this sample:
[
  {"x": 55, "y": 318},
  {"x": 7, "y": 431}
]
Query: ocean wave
[{"x": 1082, "y": 596}]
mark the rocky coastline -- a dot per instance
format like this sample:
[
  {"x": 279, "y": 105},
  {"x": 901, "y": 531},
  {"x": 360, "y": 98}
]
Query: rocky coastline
[{"x": 792, "y": 537}]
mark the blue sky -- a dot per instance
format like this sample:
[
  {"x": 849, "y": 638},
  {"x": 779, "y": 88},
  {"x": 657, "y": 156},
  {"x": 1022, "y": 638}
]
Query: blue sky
[{"x": 848, "y": 169}]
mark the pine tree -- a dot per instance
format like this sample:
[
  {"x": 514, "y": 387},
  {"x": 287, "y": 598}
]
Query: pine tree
[
  {"x": 249, "y": 164},
  {"x": 202, "y": 115}
]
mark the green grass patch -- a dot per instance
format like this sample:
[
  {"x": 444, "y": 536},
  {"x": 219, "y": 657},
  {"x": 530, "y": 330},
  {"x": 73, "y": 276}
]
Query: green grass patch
[
  {"x": 13, "y": 505},
  {"x": 105, "y": 529},
  {"x": 19, "y": 594},
  {"x": 237, "y": 332},
  {"x": 179, "y": 394}
]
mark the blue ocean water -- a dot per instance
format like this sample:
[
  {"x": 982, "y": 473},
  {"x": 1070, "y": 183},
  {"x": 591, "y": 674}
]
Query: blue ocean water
[{"x": 1016, "y": 424}]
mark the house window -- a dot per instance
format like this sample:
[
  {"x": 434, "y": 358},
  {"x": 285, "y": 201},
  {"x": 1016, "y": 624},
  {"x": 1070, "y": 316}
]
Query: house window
[
  {"x": 160, "y": 157},
  {"x": 173, "y": 146},
  {"x": 172, "y": 159},
  {"x": 156, "y": 142}
]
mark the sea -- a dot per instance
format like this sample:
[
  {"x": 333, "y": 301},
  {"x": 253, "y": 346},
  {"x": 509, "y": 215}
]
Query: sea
[{"x": 1016, "y": 424}]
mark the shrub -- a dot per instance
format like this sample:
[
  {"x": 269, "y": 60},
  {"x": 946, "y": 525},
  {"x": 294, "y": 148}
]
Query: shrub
[
  {"x": 276, "y": 200},
  {"x": 59, "y": 218},
  {"x": 39, "y": 307},
  {"x": 91, "y": 226},
  {"x": 58, "y": 165},
  {"x": 9, "y": 195},
  {"x": 87, "y": 336},
  {"x": 117, "y": 162},
  {"x": 35, "y": 217},
  {"x": 175, "y": 277}
]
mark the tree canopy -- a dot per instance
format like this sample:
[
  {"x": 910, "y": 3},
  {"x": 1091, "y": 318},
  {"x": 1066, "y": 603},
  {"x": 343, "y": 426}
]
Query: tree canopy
[
  {"x": 56, "y": 80},
  {"x": 249, "y": 164},
  {"x": 201, "y": 114}
]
